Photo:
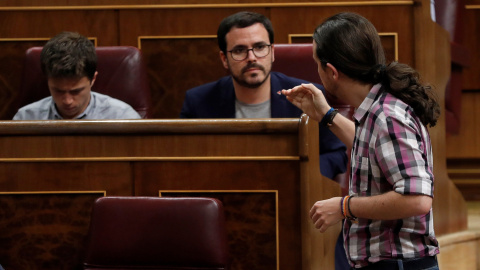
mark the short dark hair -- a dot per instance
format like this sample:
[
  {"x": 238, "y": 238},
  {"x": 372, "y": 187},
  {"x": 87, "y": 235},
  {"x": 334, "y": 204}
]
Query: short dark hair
[
  {"x": 241, "y": 20},
  {"x": 69, "y": 54}
]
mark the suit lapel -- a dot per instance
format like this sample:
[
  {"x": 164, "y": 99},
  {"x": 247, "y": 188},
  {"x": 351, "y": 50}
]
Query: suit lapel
[{"x": 278, "y": 104}]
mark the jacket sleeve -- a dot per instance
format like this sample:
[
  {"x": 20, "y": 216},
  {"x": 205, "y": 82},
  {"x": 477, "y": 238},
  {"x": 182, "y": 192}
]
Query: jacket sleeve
[
  {"x": 333, "y": 153},
  {"x": 333, "y": 156},
  {"x": 187, "y": 111}
]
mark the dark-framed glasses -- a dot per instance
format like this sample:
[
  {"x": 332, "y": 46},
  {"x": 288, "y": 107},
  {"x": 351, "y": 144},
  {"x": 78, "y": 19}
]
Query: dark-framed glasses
[{"x": 260, "y": 51}]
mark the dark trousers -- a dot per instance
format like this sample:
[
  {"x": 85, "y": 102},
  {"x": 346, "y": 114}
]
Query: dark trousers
[
  {"x": 424, "y": 263},
  {"x": 341, "y": 261}
]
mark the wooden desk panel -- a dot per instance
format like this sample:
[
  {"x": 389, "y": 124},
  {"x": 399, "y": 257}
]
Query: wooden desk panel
[
  {"x": 246, "y": 189},
  {"x": 266, "y": 171}
]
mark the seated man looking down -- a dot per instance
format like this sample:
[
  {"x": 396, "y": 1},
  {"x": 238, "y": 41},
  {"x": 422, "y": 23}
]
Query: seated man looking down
[
  {"x": 69, "y": 62},
  {"x": 247, "y": 52}
]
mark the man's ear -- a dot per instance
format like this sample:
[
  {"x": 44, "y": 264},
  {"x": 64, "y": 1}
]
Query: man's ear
[
  {"x": 224, "y": 60},
  {"x": 332, "y": 71},
  {"x": 94, "y": 78}
]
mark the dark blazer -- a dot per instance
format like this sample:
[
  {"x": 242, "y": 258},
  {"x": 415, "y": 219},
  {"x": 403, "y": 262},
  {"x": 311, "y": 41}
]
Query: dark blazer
[{"x": 217, "y": 100}]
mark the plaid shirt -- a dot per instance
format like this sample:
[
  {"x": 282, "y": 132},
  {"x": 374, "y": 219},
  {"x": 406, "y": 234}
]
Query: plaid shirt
[{"x": 391, "y": 151}]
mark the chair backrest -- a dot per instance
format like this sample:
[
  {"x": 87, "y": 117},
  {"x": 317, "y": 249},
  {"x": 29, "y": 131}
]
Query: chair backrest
[
  {"x": 121, "y": 75},
  {"x": 157, "y": 233},
  {"x": 296, "y": 60}
]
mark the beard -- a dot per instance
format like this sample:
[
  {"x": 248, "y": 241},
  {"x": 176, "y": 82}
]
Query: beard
[{"x": 244, "y": 82}]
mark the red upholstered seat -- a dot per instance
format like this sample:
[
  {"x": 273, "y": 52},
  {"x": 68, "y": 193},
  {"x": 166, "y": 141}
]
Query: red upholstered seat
[
  {"x": 296, "y": 60},
  {"x": 157, "y": 233},
  {"x": 121, "y": 75}
]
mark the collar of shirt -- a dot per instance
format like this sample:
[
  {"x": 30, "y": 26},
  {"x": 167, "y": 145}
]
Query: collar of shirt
[
  {"x": 89, "y": 108},
  {"x": 362, "y": 110}
]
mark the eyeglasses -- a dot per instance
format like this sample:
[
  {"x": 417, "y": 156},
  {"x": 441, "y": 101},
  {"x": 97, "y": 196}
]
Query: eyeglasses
[{"x": 260, "y": 51}]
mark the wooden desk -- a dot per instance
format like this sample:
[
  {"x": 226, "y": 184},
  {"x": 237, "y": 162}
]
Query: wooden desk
[{"x": 265, "y": 171}]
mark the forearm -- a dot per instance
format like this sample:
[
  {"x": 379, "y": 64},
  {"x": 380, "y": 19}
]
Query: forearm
[
  {"x": 390, "y": 206},
  {"x": 344, "y": 129},
  {"x": 312, "y": 102}
]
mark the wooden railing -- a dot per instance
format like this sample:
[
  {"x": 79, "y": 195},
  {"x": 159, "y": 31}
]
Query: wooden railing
[{"x": 266, "y": 172}]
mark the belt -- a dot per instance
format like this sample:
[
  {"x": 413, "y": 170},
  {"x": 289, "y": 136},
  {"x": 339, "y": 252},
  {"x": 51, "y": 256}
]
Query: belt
[{"x": 408, "y": 264}]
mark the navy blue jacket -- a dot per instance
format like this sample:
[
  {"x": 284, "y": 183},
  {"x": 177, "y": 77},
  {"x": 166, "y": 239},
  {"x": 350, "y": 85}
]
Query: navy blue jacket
[{"x": 217, "y": 100}]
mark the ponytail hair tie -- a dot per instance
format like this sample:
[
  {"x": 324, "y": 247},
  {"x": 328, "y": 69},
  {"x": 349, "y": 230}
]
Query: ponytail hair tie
[
  {"x": 382, "y": 69},
  {"x": 379, "y": 74}
]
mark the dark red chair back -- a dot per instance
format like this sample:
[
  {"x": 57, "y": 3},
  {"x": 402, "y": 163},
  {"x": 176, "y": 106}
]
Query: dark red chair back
[
  {"x": 296, "y": 60},
  {"x": 121, "y": 75},
  {"x": 157, "y": 233}
]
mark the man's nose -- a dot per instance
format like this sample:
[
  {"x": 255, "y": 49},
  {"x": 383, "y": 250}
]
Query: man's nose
[
  {"x": 67, "y": 99},
  {"x": 251, "y": 56}
]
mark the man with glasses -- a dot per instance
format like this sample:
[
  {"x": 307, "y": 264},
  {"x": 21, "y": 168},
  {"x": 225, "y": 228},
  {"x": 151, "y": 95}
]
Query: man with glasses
[{"x": 247, "y": 52}]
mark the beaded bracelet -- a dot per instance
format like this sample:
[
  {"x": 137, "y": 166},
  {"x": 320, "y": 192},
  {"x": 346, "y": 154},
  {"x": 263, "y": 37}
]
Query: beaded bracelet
[
  {"x": 344, "y": 206},
  {"x": 352, "y": 216}
]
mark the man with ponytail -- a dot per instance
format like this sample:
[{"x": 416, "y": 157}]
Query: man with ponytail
[{"x": 388, "y": 212}]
